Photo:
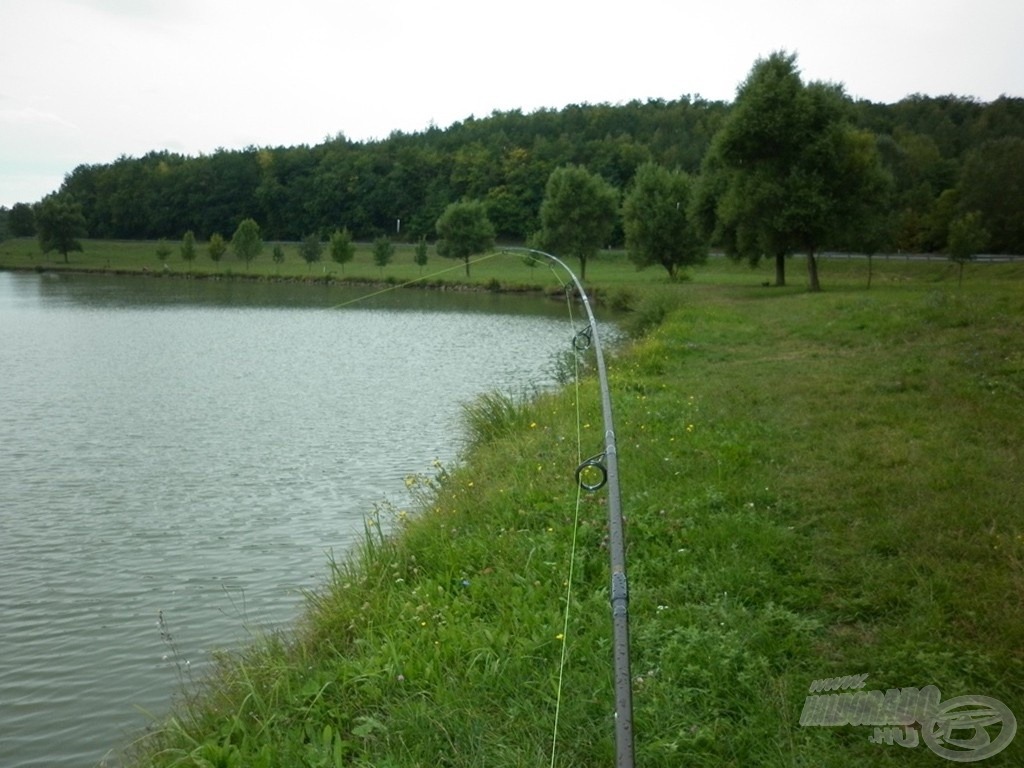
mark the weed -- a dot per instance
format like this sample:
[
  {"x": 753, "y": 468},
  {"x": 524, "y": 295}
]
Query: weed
[
  {"x": 815, "y": 486},
  {"x": 494, "y": 415}
]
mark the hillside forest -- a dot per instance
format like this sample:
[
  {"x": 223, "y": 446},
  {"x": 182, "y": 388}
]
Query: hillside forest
[{"x": 943, "y": 156}]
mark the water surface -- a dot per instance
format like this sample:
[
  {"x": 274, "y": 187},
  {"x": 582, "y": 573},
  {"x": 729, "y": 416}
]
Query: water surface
[{"x": 197, "y": 449}]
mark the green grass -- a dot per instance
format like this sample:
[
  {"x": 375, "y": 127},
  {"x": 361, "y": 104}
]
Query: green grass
[
  {"x": 494, "y": 271},
  {"x": 611, "y": 278},
  {"x": 815, "y": 485}
]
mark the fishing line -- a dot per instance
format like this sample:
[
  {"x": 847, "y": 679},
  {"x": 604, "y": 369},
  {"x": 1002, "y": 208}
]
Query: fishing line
[
  {"x": 606, "y": 466},
  {"x": 415, "y": 280},
  {"x": 619, "y": 594},
  {"x": 575, "y": 529}
]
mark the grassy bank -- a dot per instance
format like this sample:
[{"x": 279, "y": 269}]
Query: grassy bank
[
  {"x": 496, "y": 271},
  {"x": 815, "y": 486}
]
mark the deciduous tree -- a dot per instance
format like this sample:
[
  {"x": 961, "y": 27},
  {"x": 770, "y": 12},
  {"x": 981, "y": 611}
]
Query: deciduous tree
[
  {"x": 578, "y": 214},
  {"x": 993, "y": 185},
  {"x": 59, "y": 224},
  {"x": 383, "y": 250},
  {"x": 217, "y": 247},
  {"x": 420, "y": 257},
  {"x": 343, "y": 250},
  {"x": 967, "y": 238},
  {"x": 464, "y": 231},
  {"x": 310, "y": 250},
  {"x": 188, "y": 247},
  {"x": 788, "y": 171},
  {"x": 163, "y": 250},
  {"x": 247, "y": 242},
  {"x": 21, "y": 221},
  {"x": 657, "y": 221}
]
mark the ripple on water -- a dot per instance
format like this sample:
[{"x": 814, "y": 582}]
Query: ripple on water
[{"x": 198, "y": 459}]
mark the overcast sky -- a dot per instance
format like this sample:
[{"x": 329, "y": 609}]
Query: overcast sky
[{"x": 85, "y": 81}]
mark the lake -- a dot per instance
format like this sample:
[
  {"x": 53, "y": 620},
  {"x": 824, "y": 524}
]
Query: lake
[{"x": 197, "y": 450}]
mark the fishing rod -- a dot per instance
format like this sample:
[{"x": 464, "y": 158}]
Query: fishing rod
[{"x": 607, "y": 466}]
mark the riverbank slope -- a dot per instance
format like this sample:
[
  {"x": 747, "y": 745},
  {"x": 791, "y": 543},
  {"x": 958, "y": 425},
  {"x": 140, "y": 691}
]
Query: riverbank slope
[{"x": 815, "y": 486}]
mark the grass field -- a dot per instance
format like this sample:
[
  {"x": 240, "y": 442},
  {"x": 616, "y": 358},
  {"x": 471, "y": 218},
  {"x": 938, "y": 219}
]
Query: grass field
[
  {"x": 815, "y": 486},
  {"x": 140, "y": 257},
  {"x": 505, "y": 270}
]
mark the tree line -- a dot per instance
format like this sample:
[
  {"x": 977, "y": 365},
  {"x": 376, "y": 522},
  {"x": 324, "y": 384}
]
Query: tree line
[{"x": 942, "y": 158}]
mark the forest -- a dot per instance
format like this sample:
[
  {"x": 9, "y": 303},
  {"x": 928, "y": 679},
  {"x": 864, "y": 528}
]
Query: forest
[{"x": 946, "y": 155}]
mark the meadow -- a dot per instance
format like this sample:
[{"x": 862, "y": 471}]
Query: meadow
[
  {"x": 500, "y": 269},
  {"x": 815, "y": 486},
  {"x": 140, "y": 257}
]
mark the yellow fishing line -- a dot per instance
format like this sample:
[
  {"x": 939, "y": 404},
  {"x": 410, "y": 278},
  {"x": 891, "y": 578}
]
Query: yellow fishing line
[
  {"x": 415, "y": 280},
  {"x": 564, "y": 636},
  {"x": 575, "y": 528}
]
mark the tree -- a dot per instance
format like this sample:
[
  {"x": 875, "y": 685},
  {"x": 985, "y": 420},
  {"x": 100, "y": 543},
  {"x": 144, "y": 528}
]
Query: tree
[
  {"x": 936, "y": 224},
  {"x": 420, "y": 256},
  {"x": 787, "y": 171},
  {"x": 188, "y": 248},
  {"x": 310, "y": 250},
  {"x": 875, "y": 236},
  {"x": 59, "y": 224},
  {"x": 578, "y": 214},
  {"x": 993, "y": 184},
  {"x": 383, "y": 250},
  {"x": 163, "y": 250},
  {"x": 464, "y": 230},
  {"x": 657, "y": 221},
  {"x": 967, "y": 237},
  {"x": 278, "y": 256},
  {"x": 217, "y": 247},
  {"x": 343, "y": 250},
  {"x": 246, "y": 242},
  {"x": 21, "y": 221}
]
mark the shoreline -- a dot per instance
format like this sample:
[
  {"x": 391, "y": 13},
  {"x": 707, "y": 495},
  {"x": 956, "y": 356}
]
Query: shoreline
[
  {"x": 746, "y": 586},
  {"x": 427, "y": 282}
]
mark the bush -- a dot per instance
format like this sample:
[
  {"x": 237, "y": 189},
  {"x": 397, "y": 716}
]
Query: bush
[{"x": 650, "y": 312}]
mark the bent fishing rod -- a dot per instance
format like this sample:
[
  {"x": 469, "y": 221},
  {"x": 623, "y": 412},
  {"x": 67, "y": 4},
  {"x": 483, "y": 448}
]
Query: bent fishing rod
[{"x": 607, "y": 466}]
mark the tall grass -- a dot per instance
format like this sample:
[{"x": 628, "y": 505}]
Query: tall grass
[
  {"x": 494, "y": 415},
  {"x": 815, "y": 486}
]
